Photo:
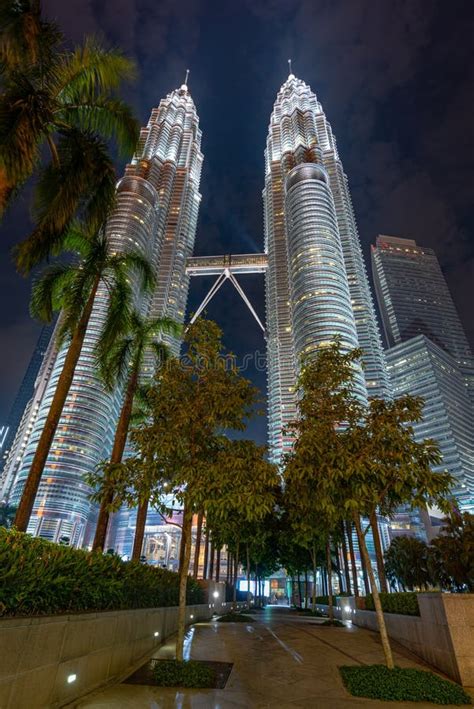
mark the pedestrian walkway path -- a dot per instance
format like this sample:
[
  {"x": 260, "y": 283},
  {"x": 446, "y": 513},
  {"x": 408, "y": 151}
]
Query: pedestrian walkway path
[{"x": 281, "y": 660}]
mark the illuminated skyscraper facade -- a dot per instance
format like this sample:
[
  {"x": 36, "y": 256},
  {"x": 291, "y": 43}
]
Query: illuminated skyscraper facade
[
  {"x": 156, "y": 212},
  {"x": 316, "y": 282}
]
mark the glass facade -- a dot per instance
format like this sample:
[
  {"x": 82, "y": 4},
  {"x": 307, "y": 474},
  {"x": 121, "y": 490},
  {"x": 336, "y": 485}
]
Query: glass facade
[
  {"x": 422, "y": 368},
  {"x": 156, "y": 212},
  {"x": 316, "y": 282}
]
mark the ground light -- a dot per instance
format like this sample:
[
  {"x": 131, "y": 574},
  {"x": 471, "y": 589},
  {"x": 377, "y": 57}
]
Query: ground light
[
  {"x": 216, "y": 594},
  {"x": 71, "y": 679},
  {"x": 156, "y": 634}
]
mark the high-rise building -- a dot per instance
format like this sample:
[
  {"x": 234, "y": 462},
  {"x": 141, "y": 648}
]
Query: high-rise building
[
  {"x": 428, "y": 355},
  {"x": 414, "y": 298},
  {"x": 316, "y": 281},
  {"x": 156, "y": 212},
  {"x": 421, "y": 368},
  {"x": 24, "y": 394}
]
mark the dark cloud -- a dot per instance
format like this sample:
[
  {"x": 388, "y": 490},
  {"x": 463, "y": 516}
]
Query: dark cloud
[{"x": 394, "y": 76}]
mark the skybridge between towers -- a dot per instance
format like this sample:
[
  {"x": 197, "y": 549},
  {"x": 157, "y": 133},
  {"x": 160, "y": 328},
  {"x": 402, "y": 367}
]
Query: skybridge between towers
[{"x": 227, "y": 268}]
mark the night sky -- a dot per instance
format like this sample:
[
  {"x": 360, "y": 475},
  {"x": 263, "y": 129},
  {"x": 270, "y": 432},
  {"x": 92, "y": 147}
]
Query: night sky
[{"x": 395, "y": 78}]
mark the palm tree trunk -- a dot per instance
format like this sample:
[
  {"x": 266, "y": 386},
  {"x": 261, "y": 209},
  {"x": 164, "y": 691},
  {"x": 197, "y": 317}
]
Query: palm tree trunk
[
  {"x": 378, "y": 552},
  {"x": 227, "y": 571},
  {"x": 300, "y": 599},
  {"x": 345, "y": 560},
  {"x": 139, "y": 530},
  {"x": 183, "y": 581},
  {"x": 218, "y": 563},
  {"x": 306, "y": 588},
  {"x": 375, "y": 595},
  {"x": 118, "y": 448},
  {"x": 30, "y": 490},
  {"x": 353, "y": 561},
  {"x": 329, "y": 573},
  {"x": 197, "y": 549}
]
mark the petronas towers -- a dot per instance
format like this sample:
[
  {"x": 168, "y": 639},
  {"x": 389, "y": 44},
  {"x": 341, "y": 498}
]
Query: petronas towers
[{"x": 316, "y": 288}]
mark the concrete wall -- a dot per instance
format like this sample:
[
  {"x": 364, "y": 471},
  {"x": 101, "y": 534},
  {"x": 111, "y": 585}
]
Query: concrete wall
[
  {"x": 39, "y": 654},
  {"x": 443, "y": 633}
]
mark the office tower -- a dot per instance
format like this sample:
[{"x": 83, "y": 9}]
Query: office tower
[
  {"x": 25, "y": 392},
  {"x": 316, "y": 282},
  {"x": 420, "y": 367},
  {"x": 156, "y": 212},
  {"x": 414, "y": 298}
]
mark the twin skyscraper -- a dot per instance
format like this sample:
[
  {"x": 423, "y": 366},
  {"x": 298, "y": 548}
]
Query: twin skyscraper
[{"x": 316, "y": 288}]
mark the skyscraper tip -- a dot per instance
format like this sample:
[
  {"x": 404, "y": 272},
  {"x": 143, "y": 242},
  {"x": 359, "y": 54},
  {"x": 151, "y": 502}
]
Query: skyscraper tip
[
  {"x": 290, "y": 71},
  {"x": 184, "y": 86}
]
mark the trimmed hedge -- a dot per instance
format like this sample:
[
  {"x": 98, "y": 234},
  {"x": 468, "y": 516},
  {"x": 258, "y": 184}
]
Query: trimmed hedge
[
  {"x": 403, "y": 603},
  {"x": 42, "y": 578},
  {"x": 324, "y": 600},
  {"x": 401, "y": 684}
]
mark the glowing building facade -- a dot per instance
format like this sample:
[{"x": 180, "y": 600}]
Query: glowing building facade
[
  {"x": 316, "y": 281},
  {"x": 156, "y": 212}
]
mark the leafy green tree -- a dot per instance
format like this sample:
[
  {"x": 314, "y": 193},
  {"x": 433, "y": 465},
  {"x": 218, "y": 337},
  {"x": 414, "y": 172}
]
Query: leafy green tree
[
  {"x": 406, "y": 562},
  {"x": 68, "y": 101},
  {"x": 72, "y": 287},
  {"x": 385, "y": 467},
  {"x": 325, "y": 404},
  {"x": 122, "y": 364},
  {"x": 451, "y": 554},
  {"x": 193, "y": 401}
]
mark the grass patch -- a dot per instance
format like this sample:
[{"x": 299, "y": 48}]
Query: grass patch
[
  {"x": 235, "y": 618},
  {"x": 401, "y": 684},
  {"x": 171, "y": 673},
  {"x": 335, "y": 623}
]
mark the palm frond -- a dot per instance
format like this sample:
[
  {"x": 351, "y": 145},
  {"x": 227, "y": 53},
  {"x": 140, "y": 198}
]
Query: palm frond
[
  {"x": 113, "y": 363},
  {"x": 24, "y": 37},
  {"x": 48, "y": 291},
  {"x": 119, "y": 309},
  {"x": 83, "y": 184},
  {"x": 109, "y": 117},
  {"x": 135, "y": 262},
  {"x": 90, "y": 70},
  {"x": 161, "y": 352},
  {"x": 164, "y": 326}
]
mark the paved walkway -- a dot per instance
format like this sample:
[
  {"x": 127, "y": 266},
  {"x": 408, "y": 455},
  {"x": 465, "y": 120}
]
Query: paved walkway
[{"x": 279, "y": 661}]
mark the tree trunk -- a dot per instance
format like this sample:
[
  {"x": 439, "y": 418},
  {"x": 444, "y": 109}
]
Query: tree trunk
[
  {"x": 139, "y": 530},
  {"x": 211, "y": 563},
  {"x": 345, "y": 560},
  {"x": 218, "y": 563},
  {"x": 183, "y": 581},
  {"x": 227, "y": 572},
  {"x": 248, "y": 573},
  {"x": 306, "y": 588},
  {"x": 206, "y": 553},
  {"x": 299, "y": 591},
  {"x": 378, "y": 552},
  {"x": 197, "y": 549},
  {"x": 324, "y": 581},
  {"x": 30, "y": 490},
  {"x": 375, "y": 595},
  {"x": 362, "y": 560},
  {"x": 236, "y": 571},
  {"x": 329, "y": 573},
  {"x": 118, "y": 448},
  {"x": 338, "y": 571},
  {"x": 313, "y": 595},
  {"x": 353, "y": 561}
]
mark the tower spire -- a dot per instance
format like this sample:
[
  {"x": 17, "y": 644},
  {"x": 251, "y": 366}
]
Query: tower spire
[
  {"x": 186, "y": 77},
  {"x": 290, "y": 72}
]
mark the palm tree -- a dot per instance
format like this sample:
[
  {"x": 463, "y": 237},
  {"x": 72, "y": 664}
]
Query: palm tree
[
  {"x": 66, "y": 100},
  {"x": 72, "y": 288},
  {"x": 123, "y": 362}
]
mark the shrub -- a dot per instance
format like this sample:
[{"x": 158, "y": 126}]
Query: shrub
[
  {"x": 401, "y": 684},
  {"x": 172, "y": 673},
  {"x": 235, "y": 618},
  {"x": 39, "y": 577},
  {"x": 403, "y": 603},
  {"x": 324, "y": 600}
]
